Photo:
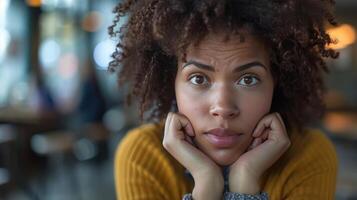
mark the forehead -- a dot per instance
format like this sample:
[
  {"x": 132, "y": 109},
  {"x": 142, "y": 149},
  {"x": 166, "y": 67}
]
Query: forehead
[{"x": 215, "y": 47}]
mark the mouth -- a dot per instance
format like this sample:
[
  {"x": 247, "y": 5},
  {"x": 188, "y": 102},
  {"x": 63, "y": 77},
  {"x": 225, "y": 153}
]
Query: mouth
[{"x": 222, "y": 138}]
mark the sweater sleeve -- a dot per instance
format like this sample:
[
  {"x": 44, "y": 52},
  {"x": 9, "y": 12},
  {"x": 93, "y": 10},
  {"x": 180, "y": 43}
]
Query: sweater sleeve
[
  {"x": 314, "y": 174},
  {"x": 141, "y": 169}
]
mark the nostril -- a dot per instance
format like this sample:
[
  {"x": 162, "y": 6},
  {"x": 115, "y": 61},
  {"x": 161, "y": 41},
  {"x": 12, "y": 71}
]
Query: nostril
[
  {"x": 225, "y": 114},
  {"x": 232, "y": 115}
]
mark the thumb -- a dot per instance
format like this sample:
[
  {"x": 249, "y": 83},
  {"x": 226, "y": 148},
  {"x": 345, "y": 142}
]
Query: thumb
[
  {"x": 186, "y": 125},
  {"x": 188, "y": 129}
]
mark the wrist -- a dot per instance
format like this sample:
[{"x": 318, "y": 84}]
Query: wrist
[
  {"x": 244, "y": 183},
  {"x": 208, "y": 187}
]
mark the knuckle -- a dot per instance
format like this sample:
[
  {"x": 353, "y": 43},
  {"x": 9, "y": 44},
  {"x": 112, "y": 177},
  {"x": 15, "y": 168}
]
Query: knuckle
[
  {"x": 287, "y": 143},
  {"x": 166, "y": 144},
  {"x": 168, "y": 141},
  {"x": 284, "y": 142}
]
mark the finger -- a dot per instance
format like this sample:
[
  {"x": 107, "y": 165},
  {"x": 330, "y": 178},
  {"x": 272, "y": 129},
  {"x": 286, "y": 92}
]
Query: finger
[
  {"x": 181, "y": 147},
  {"x": 262, "y": 125},
  {"x": 279, "y": 117},
  {"x": 282, "y": 124},
  {"x": 184, "y": 124},
  {"x": 167, "y": 122},
  {"x": 189, "y": 139},
  {"x": 281, "y": 120},
  {"x": 265, "y": 134},
  {"x": 177, "y": 126},
  {"x": 259, "y": 140},
  {"x": 271, "y": 122},
  {"x": 189, "y": 129},
  {"x": 256, "y": 142}
]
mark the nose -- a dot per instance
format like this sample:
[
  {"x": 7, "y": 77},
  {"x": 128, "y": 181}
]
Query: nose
[{"x": 224, "y": 104}]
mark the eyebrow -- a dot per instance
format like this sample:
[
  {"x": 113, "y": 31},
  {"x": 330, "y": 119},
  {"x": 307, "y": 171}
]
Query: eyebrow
[{"x": 238, "y": 69}]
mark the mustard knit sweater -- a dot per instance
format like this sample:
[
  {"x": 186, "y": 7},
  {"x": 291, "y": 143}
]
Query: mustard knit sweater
[{"x": 144, "y": 170}]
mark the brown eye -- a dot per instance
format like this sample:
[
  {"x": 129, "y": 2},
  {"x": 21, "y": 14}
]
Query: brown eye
[
  {"x": 198, "y": 80},
  {"x": 248, "y": 80}
]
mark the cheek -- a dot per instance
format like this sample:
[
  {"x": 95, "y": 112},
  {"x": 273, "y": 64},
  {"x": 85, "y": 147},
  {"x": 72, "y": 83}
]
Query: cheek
[
  {"x": 186, "y": 104},
  {"x": 189, "y": 102},
  {"x": 253, "y": 107}
]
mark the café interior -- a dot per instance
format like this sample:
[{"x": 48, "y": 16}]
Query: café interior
[{"x": 62, "y": 114}]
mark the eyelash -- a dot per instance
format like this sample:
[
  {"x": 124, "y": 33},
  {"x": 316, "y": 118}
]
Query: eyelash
[
  {"x": 251, "y": 76},
  {"x": 197, "y": 75},
  {"x": 257, "y": 80}
]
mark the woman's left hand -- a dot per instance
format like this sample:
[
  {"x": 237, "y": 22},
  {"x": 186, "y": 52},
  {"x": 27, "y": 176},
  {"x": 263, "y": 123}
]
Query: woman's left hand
[{"x": 270, "y": 141}]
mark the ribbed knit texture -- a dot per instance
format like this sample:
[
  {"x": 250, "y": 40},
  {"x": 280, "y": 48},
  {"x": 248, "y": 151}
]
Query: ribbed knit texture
[{"x": 144, "y": 170}]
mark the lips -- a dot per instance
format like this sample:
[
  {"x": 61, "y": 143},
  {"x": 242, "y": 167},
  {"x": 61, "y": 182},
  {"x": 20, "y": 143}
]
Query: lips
[{"x": 222, "y": 138}]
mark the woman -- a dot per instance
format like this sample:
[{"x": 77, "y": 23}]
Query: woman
[{"x": 233, "y": 86}]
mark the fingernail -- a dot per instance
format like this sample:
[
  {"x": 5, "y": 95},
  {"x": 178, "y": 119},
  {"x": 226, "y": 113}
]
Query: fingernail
[{"x": 254, "y": 133}]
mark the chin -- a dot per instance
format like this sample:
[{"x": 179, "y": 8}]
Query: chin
[
  {"x": 224, "y": 163},
  {"x": 224, "y": 158}
]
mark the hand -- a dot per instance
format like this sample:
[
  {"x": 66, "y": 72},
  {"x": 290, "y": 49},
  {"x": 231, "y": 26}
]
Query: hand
[
  {"x": 270, "y": 141},
  {"x": 209, "y": 183}
]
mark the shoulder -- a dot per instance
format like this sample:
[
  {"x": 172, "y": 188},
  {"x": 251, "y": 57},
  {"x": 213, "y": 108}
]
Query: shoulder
[
  {"x": 310, "y": 151},
  {"x": 142, "y": 149},
  {"x": 307, "y": 170},
  {"x": 146, "y": 133},
  {"x": 140, "y": 141},
  {"x": 142, "y": 164},
  {"x": 312, "y": 146}
]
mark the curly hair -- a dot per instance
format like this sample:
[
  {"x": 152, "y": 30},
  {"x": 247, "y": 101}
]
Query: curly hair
[{"x": 156, "y": 34}]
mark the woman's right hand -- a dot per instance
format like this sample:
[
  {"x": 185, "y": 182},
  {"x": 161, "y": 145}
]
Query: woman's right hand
[{"x": 209, "y": 183}]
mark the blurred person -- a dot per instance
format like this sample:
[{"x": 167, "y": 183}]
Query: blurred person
[
  {"x": 230, "y": 88},
  {"x": 92, "y": 105},
  {"x": 89, "y": 113}
]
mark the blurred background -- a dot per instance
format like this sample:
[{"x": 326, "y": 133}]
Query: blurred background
[{"x": 62, "y": 114}]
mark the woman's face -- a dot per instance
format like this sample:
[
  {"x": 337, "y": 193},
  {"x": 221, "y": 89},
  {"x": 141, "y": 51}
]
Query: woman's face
[{"x": 224, "y": 89}]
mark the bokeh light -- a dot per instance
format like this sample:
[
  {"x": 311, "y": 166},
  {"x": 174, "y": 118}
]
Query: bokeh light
[
  {"x": 102, "y": 53},
  {"x": 68, "y": 65},
  {"x": 4, "y": 42},
  {"x": 49, "y": 53},
  {"x": 34, "y": 3},
  {"x": 92, "y": 21},
  {"x": 344, "y": 35}
]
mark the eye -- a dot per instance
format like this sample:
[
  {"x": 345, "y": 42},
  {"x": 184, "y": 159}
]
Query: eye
[
  {"x": 248, "y": 80},
  {"x": 198, "y": 80}
]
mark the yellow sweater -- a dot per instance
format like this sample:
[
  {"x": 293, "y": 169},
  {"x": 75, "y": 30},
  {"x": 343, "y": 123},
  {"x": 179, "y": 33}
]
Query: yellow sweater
[{"x": 144, "y": 170}]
